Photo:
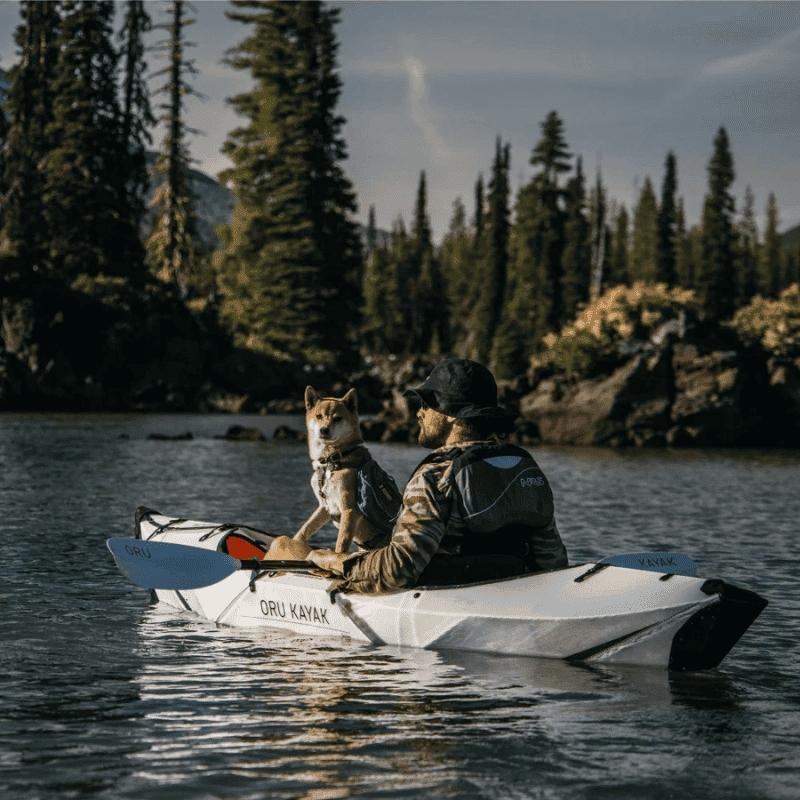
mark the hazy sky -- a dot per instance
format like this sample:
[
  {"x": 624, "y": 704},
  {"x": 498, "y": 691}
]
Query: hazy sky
[{"x": 429, "y": 85}]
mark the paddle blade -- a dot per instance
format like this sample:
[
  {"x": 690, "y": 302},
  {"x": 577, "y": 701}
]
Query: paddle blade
[
  {"x": 163, "y": 565},
  {"x": 675, "y": 563}
]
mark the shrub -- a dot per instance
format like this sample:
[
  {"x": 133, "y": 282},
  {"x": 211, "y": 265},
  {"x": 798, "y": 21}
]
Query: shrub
[
  {"x": 621, "y": 315},
  {"x": 774, "y": 324}
]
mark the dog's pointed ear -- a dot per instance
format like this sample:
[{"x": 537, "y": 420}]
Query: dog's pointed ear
[
  {"x": 312, "y": 397},
  {"x": 350, "y": 401}
]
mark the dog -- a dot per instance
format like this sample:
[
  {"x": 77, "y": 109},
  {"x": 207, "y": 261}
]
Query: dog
[{"x": 351, "y": 489}]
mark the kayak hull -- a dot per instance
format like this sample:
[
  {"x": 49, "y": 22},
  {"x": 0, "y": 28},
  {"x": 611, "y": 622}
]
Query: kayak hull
[{"x": 580, "y": 613}]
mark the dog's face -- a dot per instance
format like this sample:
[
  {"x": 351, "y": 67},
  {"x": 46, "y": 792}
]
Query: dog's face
[{"x": 331, "y": 421}]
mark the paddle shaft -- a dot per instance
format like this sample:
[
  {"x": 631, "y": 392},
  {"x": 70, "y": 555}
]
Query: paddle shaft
[{"x": 260, "y": 565}]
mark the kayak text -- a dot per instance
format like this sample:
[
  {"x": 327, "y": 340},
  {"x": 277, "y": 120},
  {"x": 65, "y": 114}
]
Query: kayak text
[
  {"x": 296, "y": 611},
  {"x": 139, "y": 552}
]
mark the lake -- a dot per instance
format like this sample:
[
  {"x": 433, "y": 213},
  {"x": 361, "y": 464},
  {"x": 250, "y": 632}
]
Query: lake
[{"x": 103, "y": 694}]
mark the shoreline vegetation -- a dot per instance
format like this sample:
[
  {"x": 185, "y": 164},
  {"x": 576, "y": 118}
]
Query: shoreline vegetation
[{"x": 604, "y": 325}]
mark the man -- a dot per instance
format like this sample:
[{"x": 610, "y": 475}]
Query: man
[{"x": 474, "y": 509}]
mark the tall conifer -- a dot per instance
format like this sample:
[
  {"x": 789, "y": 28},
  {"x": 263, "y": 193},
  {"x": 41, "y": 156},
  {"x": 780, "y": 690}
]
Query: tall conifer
[
  {"x": 620, "y": 250},
  {"x": 292, "y": 256},
  {"x": 644, "y": 251},
  {"x": 718, "y": 279},
  {"x": 172, "y": 246},
  {"x": 492, "y": 267},
  {"x": 576, "y": 257},
  {"x": 599, "y": 238},
  {"x": 684, "y": 260},
  {"x": 24, "y": 236},
  {"x": 137, "y": 116},
  {"x": 457, "y": 260},
  {"x": 747, "y": 251},
  {"x": 771, "y": 267},
  {"x": 85, "y": 193},
  {"x": 666, "y": 272}
]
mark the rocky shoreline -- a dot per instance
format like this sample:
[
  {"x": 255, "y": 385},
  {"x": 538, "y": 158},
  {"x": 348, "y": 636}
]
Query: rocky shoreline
[{"x": 622, "y": 375}]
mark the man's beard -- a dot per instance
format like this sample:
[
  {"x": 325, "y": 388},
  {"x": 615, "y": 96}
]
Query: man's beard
[{"x": 434, "y": 434}]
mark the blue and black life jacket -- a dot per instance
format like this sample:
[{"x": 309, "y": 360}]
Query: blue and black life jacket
[
  {"x": 379, "y": 499},
  {"x": 504, "y": 498}
]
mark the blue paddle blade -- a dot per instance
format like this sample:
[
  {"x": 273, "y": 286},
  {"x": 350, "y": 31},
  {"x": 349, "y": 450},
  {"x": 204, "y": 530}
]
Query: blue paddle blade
[
  {"x": 674, "y": 563},
  {"x": 162, "y": 565}
]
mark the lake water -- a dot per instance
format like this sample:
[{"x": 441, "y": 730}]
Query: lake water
[{"x": 103, "y": 694}]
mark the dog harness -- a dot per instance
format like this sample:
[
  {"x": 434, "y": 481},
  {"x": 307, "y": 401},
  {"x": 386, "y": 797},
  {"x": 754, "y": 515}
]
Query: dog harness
[{"x": 379, "y": 499}]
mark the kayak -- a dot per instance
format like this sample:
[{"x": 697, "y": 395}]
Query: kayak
[{"x": 594, "y": 612}]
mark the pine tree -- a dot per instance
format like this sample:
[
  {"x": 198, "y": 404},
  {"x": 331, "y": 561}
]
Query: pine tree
[
  {"x": 374, "y": 313},
  {"x": 576, "y": 257},
  {"x": 457, "y": 260},
  {"x": 747, "y": 251},
  {"x": 718, "y": 279},
  {"x": 172, "y": 246},
  {"x": 479, "y": 210},
  {"x": 24, "y": 237},
  {"x": 644, "y": 251},
  {"x": 428, "y": 321},
  {"x": 534, "y": 296},
  {"x": 771, "y": 266},
  {"x": 599, "y": 237},
  {"x": 137, "y": 116},
  {"x": 372, "y": 231},
  {"x": 292, "y": 257},
  {"x": 492, "y": 266},
  {"x": 620, "y": 250},
  {"x": 666, "y": 224},
  {"x": 685, "y": 271},
  {"x": 85, "y": 193}
]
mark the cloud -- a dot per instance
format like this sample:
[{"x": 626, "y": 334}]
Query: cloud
[
  {"x": 420, "y": 109},
  {"x": 773, "y": 55}
]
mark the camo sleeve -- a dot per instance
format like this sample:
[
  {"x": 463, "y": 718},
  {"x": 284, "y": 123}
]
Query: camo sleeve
[{"x": 417, "y": 533}]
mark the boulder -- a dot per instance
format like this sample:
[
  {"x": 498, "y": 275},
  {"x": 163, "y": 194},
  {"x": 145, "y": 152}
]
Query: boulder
[
  {"x": 171, "y": 437},
  {"x": 284, "y": 433},
  {"x": 709, "y": 394},
  {"x": 239, "y": 433},
  {"x": 631, "y": 406}
]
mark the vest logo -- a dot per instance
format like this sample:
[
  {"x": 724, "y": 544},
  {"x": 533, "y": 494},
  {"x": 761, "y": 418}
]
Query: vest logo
[{"x": 526, "y": 483}]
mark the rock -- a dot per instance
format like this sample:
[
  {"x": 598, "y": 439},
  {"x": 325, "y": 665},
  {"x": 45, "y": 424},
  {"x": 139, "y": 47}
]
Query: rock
[
  {"x": 238, "y": 433},
  {"x": 286, "y": 434},
  {"x": 171, "y": 437},
  {"x": 628, "y": 407},
  {"x": 286, "y": 406},
  {"x": 784, "y": 382},
  {"x": 708, "y": 405}
]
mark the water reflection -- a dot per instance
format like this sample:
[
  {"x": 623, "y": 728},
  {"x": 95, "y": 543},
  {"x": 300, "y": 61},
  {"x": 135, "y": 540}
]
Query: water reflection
[{"x": 314, "y": 715}]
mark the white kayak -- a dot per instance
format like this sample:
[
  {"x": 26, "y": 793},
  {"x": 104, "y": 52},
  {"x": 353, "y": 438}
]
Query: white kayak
[{"x": 589, "y": 612}]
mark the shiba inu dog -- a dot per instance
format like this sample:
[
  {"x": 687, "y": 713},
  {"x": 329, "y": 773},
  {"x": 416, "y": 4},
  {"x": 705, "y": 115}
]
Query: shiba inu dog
[{"x": 351, "y": 489}]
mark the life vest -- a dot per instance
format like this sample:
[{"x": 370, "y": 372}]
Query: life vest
[
  {"x": 503, "y": 497},
  {"x": 379, "y": 499}
]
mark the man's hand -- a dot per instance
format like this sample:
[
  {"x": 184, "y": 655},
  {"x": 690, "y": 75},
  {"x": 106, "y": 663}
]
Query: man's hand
[{"x": 328, "y": 560}]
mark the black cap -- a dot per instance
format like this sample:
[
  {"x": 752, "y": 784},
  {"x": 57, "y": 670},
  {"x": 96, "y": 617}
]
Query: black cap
[{"x": 464, "y": 389}]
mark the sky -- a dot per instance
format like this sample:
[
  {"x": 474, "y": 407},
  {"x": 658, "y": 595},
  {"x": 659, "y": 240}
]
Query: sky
[{"x": 430, "y": 85}]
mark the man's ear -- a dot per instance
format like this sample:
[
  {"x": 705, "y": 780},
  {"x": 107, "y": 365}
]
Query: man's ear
[
  {"x": 312, "y": 397},
  {"x": 350, "y": 401}
]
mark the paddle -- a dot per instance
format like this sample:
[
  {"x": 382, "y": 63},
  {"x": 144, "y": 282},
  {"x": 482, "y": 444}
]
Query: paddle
[
  {"x": 163, "y": 565},
  {"x": 672, "y": 563}
]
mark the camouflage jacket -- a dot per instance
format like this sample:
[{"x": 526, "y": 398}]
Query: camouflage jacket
[{"x": 429, "y": 523}]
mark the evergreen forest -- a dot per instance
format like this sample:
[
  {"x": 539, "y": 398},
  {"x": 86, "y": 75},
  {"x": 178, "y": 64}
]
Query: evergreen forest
[{"x": 110, "y": 301}]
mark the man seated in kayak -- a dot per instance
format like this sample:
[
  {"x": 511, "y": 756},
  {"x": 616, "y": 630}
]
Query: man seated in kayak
[{"x": 474, "y": 509}]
